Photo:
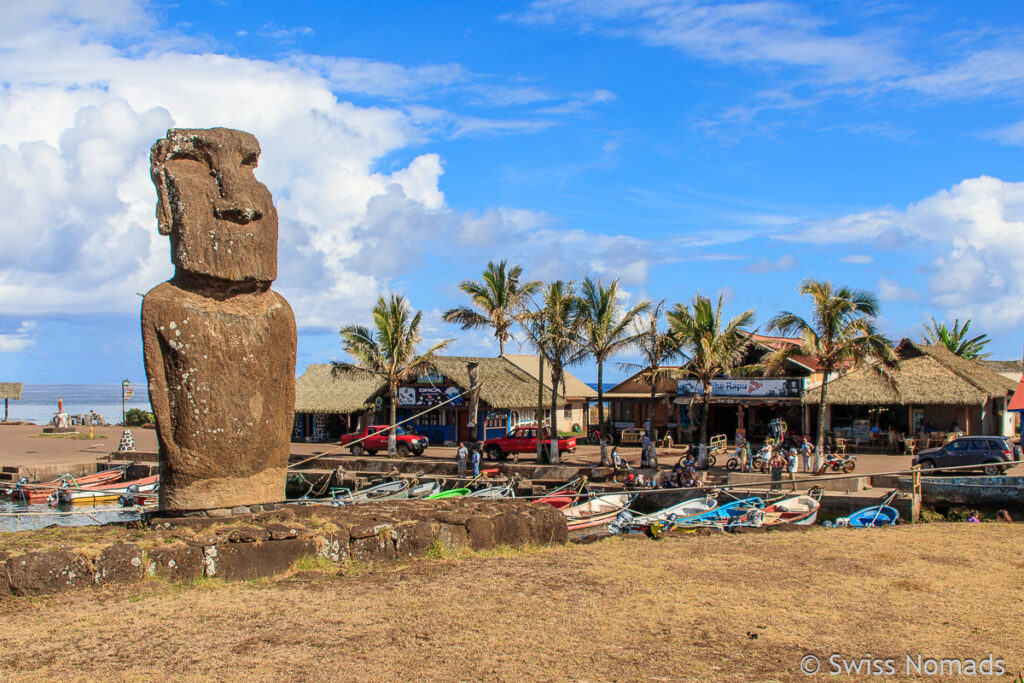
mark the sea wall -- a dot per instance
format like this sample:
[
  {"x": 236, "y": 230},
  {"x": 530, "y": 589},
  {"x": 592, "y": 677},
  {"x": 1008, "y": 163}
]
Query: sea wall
[{"x": 260, "y": 544}]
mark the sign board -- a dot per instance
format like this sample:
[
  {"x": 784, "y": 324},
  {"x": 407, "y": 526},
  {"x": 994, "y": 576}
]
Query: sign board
[
  {"x": 430, "y": 379},
  {"x": 427, "y": 396},
  {"x": 861, "y": 430},
  {"x": 741, "y": 437},
  {"x": 757, "y": 387}
]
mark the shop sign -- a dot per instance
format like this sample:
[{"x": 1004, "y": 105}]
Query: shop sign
[
  {"x": 789, "y": 388},
  {"x": 428, "y": 396}
]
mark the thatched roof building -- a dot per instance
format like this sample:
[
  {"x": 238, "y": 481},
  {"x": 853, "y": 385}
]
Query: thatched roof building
[
  {"x": 10, "y": 390},
  {"x": 503, "y": 385},
  {"x": 929, "y": 374}
]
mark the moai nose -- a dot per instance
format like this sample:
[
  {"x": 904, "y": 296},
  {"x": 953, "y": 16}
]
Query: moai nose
[{"x": 236, "y": 203}]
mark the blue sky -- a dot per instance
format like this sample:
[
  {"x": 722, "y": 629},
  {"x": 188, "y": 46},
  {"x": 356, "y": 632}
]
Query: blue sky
[{"x": 681, "y": 146}]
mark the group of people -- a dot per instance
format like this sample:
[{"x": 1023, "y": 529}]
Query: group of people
[{"x": 462, "y": 454}]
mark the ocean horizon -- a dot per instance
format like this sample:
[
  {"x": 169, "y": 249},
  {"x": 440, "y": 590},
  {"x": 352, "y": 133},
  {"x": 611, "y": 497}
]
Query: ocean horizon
[{"x": 39, "y": 401}]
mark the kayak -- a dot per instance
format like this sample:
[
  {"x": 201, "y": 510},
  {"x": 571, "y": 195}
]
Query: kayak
[
  {"x": 876, "y": 515},
  {"x": 104, "y": 493},
  {"x": 558, "y": 501},
  {"x": 450, "y": 493},
  {"x": 802, "y": 510},
  {"x": 37, "y": 493},
  {"x": 596, "y": 511}
]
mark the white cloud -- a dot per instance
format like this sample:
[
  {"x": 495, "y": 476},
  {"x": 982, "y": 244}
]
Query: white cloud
[
  {"x": 779, "y": 265},
  {"x": 976, "y": 226},
  {"x": 858, "y": 258},
  {"x": 890, "y": 290},
  {"x": 1012, "y": 134},
  {"x": 19, "y": 340}
]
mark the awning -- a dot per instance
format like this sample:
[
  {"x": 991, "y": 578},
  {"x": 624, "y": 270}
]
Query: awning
[
  {"x": 744, "y": 400},
  {"x": 1017, "y": 402}
]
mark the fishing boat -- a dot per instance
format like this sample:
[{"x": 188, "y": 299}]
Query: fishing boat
[
  {"x": 424, "y": 490},
  {"x": 736, "y": 513},
  {"x": 677, "y": 513},
  {"x": 38, "y": 493},
  {"x": 801, "y": 510},
  {"x": 876, "y": 515},
  {"x": 104, "y": 493},
  {"x": 389, "y": 490},
  {"x": 597, "y": 511},
  {"x": 450, "y": 493},
  {"x": 493, "y": 492}
]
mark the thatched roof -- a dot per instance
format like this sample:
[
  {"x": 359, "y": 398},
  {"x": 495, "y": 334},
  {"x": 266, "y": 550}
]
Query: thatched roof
[
  {"x": 503, "y": 385},
  {"x": 573, "y": 387},
  {"x": 11, "y": 390},
  {"x": 928, "y": 375},
  {"x": 318, "y": 391}
]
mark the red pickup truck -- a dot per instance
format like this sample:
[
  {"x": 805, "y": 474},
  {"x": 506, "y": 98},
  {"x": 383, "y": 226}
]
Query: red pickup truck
[
  {"x": 406, "y": 444},
  {"x": 523, "y": 440}
]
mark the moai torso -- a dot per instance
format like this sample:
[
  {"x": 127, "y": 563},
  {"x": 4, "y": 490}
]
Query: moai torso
[{"x": 219, "y": 343}]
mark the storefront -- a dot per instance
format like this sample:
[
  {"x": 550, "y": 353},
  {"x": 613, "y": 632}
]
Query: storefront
[{"x": 741, "y": 408}]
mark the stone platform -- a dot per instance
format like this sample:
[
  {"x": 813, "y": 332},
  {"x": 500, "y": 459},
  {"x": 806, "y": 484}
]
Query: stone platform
[{"x": 260, "y": 544}]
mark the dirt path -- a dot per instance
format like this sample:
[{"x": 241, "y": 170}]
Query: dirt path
[{"x": 684, "y": 608}]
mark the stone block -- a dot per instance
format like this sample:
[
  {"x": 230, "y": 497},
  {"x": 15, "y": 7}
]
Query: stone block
[
  {"x": 512, "y": 528},
  {"x": 379, "y": 548},
  {"x": 333, "y": 545},
  {"x": 480, "y": 531},
  {"x": 120, "y": 564},
  {"x": 244, "y": 561},
  {"x": 280, "y": 532},
  {"x": 413, "y": 539},
  {"x": 453, "y": 536},
  {"x": 247, "y": 534},
  {"x": 175, "y": 562},
  {"x": 43, "y": 573}
]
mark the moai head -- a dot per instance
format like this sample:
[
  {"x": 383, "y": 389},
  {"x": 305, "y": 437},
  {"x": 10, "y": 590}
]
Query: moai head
[{"x": 221, "y": 220}]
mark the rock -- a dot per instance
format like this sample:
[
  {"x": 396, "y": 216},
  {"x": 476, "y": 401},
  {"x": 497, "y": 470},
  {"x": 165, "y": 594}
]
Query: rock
[
  {"x": 55, "y": 571},
  {"x": 373, "y": 548},
  {"x": 480, "y": 531},
  {"x": 512, "y": 528},
  {"x": 219, "y": 344},
  {"x": 453, "y": 536},
  {"x": 247, "y": 534},
  {"x": 333, "y": 546},
  {"x": 120, "y": 564},
  {"x": 176, "y": 562},
  {"x": 279, "y": 532},
  {"x": 244, "y": 561},
  {"x": 414, "y": 538}
]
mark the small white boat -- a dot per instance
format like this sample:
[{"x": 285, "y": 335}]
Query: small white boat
[
  {"x": 494, "y": 492},
  {"x": 678, "y": 512},
  {"x": 597, "y": 511},
  {"x": 422, "y": 490},
  {"x": 802, "y": 510}
]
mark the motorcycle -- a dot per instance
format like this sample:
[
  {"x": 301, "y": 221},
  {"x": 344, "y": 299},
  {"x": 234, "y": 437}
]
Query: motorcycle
[
  {"x": 838, "y": 463},
  {"x": 734, "y": 463}
]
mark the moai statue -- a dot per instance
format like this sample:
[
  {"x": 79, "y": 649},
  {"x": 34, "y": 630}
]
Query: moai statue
[{"x": 219, "y": 343}]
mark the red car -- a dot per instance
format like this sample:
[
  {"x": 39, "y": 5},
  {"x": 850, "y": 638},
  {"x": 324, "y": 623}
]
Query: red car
[
  {"x": 406, "y": 444},
  {"x": 524, "y": 440}
]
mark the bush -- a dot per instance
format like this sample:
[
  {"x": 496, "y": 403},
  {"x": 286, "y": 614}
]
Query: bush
[{"x": 136, "y": 417}]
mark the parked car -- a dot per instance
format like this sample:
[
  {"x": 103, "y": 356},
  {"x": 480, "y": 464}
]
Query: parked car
[
  {"x": 989, "y": 453},
  {"x": 523, "y": 440},
  {"x": 376, "y": 439}
]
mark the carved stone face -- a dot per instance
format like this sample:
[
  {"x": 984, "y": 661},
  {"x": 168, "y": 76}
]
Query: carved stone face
[{"x": 221, "y": 220}]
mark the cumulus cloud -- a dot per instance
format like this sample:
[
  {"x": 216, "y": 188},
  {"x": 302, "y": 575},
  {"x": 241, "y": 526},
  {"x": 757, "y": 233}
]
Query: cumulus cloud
[
  {"x": 890, "y": 290},
  {"x": 78, "y": 115},
  {"x": 20, "y": 339},
  {"x": 975, "y": 227},
  {"x": 858, "y": 258}
]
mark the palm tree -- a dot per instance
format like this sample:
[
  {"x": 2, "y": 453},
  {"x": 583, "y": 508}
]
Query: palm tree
[
  {"x": 714, "y": 350},
  {"x": 562, "y": 343},
  {"x": 497, "y": 301},
  {"x": 656, "y": 347},
  {"x": 956, "y": 339},
  {"x": 533, "y": 326},
  {"x": 607, "y": 329},
  {"x": 841, "y": 336},
  {"x": 388, "y": 349}
]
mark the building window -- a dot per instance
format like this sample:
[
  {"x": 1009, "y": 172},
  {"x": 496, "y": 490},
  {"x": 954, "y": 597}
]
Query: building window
[{"x": 567, "y": 412}]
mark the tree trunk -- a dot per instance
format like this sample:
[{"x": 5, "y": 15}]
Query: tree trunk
[
  {"x": 652, "y": 453},
  {"x": 702, "y": 446},
  {"x": 391, "y": 429},
  {"x": 501, "y": 346},
  {"x": 819, "y": 453},
  {"x": 553, "y": 455},
  {"x": 605, "y": 462},
  {"x": 540, "y": 408}
]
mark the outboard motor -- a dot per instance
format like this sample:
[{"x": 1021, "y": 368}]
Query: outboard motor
[
  {"x": 17, "y": 489},
  {"x": 622, "y": 520},
  {"x": 126, "y": 499}
]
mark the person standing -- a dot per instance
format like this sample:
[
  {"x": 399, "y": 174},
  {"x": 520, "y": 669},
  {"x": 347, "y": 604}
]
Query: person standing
[
  {"x": 791, "y": 466},
  {"x": 806, "y": 450},
  {"x": 460, "y": 459},
  {"x": 474, "y": 461},
  {"x": 645, "y": 447}
]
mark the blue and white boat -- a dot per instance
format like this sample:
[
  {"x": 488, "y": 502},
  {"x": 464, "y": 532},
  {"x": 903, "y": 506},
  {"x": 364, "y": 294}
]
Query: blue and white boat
[{"x": 876, "y": 515}]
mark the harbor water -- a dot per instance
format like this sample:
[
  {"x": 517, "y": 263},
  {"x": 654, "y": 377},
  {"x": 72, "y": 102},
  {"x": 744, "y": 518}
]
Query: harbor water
[{"x": 39, "y": 401}]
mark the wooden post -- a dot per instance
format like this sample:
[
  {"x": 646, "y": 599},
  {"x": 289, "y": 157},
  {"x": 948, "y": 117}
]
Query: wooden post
[{"x": 5, "y": 410}]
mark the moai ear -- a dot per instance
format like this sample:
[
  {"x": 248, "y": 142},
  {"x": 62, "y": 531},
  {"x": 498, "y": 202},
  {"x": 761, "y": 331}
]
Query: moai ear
[{"x": 158, "y": 173}]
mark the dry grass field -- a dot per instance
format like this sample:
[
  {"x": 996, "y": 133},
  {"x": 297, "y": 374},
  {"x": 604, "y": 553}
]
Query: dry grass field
[{"x": 687, "y": 607}]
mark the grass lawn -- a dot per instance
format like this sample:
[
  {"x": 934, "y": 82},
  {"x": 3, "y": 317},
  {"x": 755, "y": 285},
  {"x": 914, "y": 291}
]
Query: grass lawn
[{"x": 701, "y": 608}]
